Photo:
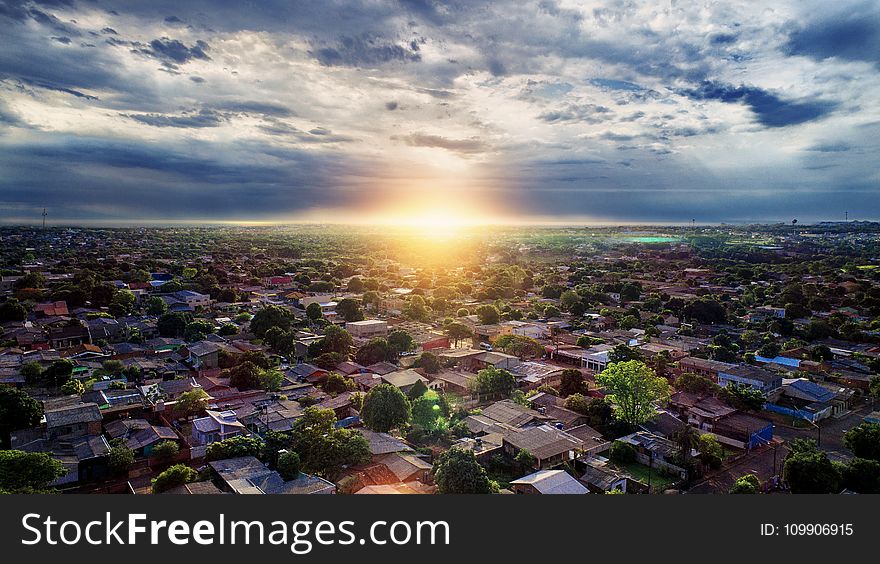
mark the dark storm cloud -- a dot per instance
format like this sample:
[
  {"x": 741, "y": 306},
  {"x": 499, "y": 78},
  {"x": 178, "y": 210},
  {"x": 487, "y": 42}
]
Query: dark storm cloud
[
  {"x": 153, "y": 181},
  {"x": 852, "y": 34},
  {"x": 202, "y": 118},
  {"x": 365, "y": 50},
  {"x": 175, "y": 52},
  {"x": 770, "y": 109}
]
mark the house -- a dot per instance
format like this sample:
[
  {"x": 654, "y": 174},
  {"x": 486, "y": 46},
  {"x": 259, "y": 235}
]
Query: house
[
  {"x": 601, "y": 478},
  {"x": 84, "y": 458},
  {"x": 404, "y": 379},
  {"x": 367, "y": 329},
  {"x": 383, "y": 443},
  {"x": 51, "y": 309},
  {"x": 654, "y": 451},
  {"x": 70, "y": 336},
  {"x": 752, "y": 376},
  {"x": 548, "y": 445},
  {"x": 192, "y": 299},
  {"x": 305, "y": 372},
  {"x": 702, "y": 367},
  {"x": 216, "y": 426},
  {"x": 452, "y": 382},
  {"x": 548, "y": 482},
  {"x": 204, "y": 355},
  {"x": 513, "y": 414},
  {"x": 247, "y": 475},
  {"x": 72, "y": 420},
  {"x": 743, "y": 430},
  {"x": 139, "y": 434}
]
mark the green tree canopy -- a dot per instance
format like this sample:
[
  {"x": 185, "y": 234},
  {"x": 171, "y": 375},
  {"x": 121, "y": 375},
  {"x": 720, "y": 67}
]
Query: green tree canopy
[
  {"x": 385, "y": 408},
  {"x": 27, "y": 472},
  {"x": 634, "y": 390},
  {"x": 458, "y": 472}
]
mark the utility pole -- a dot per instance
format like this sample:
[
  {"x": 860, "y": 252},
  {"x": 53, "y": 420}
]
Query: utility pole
[{"x": 44, "y": 218}]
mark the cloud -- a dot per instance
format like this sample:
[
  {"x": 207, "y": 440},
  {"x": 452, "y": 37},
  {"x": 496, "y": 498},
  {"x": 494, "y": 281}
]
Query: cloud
[
  {"x": 582, "y": 113},
  {"x": 770, "y": 109},
  {"x": 173, "y": 52},
  {"x": 852, "y": 34},
  {"x": 366, "y": 50},
  {"x": 463, "y": 146},
  {"x": 202, "y": 118}
]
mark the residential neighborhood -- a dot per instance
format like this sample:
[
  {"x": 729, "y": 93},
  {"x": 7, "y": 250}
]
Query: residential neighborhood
[{"x": 308, "y": 360}]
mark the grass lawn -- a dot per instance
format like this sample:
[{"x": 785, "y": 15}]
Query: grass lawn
[{"x": 659, "y": 480}]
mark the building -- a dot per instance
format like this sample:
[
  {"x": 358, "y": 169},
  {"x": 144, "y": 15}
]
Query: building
[
  {"x": 247, "y": 475},
  {"x": 702, "y": 367},
  {"x": 752, "y": 376},
  {"x": 192, "y": 299},
  {"x": 548, "y": 482},
  {"x": 216, "y": 426},
  {"x": 73, "y": 421},
  {"x": 367, "y": 329},
  {"x": 404, "y": 379}
]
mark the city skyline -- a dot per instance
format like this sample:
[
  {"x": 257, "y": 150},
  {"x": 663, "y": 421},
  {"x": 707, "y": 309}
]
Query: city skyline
[{"x": 436, "y": 114}]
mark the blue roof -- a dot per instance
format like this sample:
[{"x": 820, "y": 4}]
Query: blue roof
[
  {"x": 781, "y": 360},
  {"x": 812, "y": 389}
]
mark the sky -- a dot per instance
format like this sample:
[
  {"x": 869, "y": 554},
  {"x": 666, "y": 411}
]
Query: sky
[{"x": 557, "y": 111}]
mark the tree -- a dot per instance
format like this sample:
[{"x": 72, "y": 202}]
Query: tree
[
  {"x": 314, "y": 312},
  {"x": 568, "y": 299},
  {"x": 31, "y": 280},
  {"x": 191, "y": 402},
  {"x": 12, "y": 310},
  {"x": 122, "y": 303},
  {"x": 172, "y": 324},
  {"x": 705, "y": 310},
  {"x": 18, "y": 410},
  {"x": 73, "y": 388},
  {"x": 622, "y": 453},
  {"x": 630, "y": 293},
  {"x": 349, "y": 309},
  {"x": 177, "y": 475},
  {"x": 165, "y": 451},
  {"x": 324, "y": 449},
  {"x": 337, "y": 383},
  {"x": 245, "y": 376},
  {"x": 427, "y": 410},
  {"x": 430, "y": 362},
  {"x": 400, "y": 341},
  {"x": 458, "y": 472},
  {"x": 686, "y": 439},
  {"x": 634, "y": 390},
  {"x": 234, "y": 447},
  {"x": 32, "y": 372},
  {"x": 694, "y": 383},
  {"x": 228, "y": 329},
  {"x": 336, "y": 339},
  {"x": 197, "y": 330},
  {"x": 624, "y": 353},
  {"x": 268, "y": 317},
  {"x": 808, "y": 470},
  {"x": 156, "y": 306},
  {"x": 864, "y": 441},
  {"x": 519, "y": 345},
  {"x": 488, "y": 314},
  {"x": 572, "y": 382},
  {"x": 457, "y": 332},
  {"x": 120, "y": 457},
  {"x": 289, "y": 465},
  {"x": 328, "y": 360},
  {"x": 373, "y": 351},
  {"x": 385, "y": 408},
  {"x": 743, "y": 397},
  {"x": 862, "y": 476},
  {"x": 711, "y": 451},
  {"x": 27, "y": 472},
  {"x": 525, "y": 459},
  {"x": 416, "y": 309},
  {"x": 874, "y": 387},
  {"x": 748, "y": 484},
  {"x": 493, "y": 383}
]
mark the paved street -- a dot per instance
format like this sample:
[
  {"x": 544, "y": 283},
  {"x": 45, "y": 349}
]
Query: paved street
[{"x": 832, "y": 431}]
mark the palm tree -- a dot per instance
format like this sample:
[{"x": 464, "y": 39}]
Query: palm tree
[{"x": 686, "y": 439}]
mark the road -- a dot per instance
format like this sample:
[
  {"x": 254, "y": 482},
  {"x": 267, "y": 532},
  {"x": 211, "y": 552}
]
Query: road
[{"x": 831, "y": 430}]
